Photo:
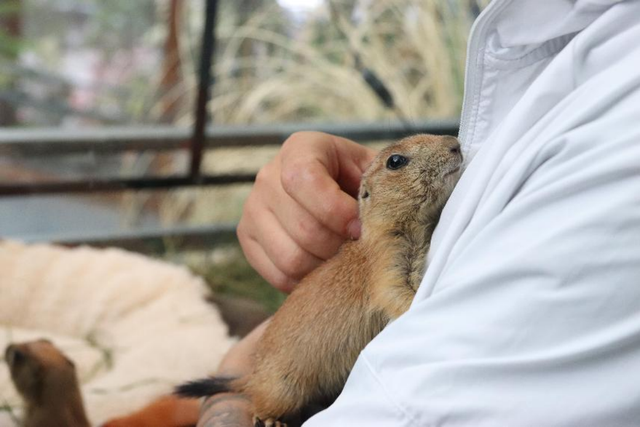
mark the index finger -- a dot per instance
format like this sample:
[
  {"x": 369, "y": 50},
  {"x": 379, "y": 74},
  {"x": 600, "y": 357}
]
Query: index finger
[{"x": 322, "y": 173}]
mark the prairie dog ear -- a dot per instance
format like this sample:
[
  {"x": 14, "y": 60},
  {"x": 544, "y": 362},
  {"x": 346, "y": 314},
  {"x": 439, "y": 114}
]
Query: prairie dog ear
[
  {"x": 364, "y": 191},
  {"x": 70, "y": 362}
]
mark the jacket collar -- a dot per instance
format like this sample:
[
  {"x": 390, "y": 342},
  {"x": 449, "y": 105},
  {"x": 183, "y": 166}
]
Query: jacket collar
[
  {"x": 524, "y": 25},
  {"x": 507, "y": 38}
]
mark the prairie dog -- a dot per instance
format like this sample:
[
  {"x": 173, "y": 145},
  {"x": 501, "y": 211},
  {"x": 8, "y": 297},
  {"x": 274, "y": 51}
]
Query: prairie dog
[
  {"x": 313, "y": 340},
  {"x": 46, "y": 379}
]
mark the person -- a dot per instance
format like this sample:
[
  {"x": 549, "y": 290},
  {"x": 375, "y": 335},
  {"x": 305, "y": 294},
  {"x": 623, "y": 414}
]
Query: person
[{"x": 529, "y": 311}]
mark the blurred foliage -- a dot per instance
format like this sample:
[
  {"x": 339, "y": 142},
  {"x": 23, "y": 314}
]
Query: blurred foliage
[
  {"x": 120, "y": 24},
  {"x": 234, "y": 276},
  {"x": 272, "y": 65},
  {"x": 10, "y": 44},
  {"x": 309, "y": 73}
]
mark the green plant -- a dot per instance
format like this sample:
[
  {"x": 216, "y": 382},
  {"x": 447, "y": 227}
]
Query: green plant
[
  {"x": 234, "y": 276},
  {"x": 10, "y": 43}
]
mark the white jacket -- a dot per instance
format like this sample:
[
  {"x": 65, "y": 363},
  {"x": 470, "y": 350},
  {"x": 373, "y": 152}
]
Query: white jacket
[{"x": 529, "y": 313}]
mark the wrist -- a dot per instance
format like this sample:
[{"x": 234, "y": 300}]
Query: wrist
[{"x": 226, "y": 410}]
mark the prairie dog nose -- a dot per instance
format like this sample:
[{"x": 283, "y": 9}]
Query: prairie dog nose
[
  {"x": 453, "y": 145},
  {"x": 12, "y": 354}
]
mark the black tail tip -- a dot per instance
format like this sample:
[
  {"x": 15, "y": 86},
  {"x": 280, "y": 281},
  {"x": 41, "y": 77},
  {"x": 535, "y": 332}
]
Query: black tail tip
[{"x": 204, "y": 387}]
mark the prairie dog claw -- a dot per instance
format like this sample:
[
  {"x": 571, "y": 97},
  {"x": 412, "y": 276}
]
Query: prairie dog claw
[{"x": 269, "y": 422}]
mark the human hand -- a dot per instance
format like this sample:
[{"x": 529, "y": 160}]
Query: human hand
[
  {"x": 303, "y": 206},
  {"x": 233, "y": 409}
]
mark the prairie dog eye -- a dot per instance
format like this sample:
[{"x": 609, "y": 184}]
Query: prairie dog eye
[{"x": 396, "y": 161}]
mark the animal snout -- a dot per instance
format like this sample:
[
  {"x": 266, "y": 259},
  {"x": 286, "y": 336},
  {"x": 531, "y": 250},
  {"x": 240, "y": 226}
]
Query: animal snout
[
  {"x": 453, "y": 144},
  {"x": 13, "y": 355}
]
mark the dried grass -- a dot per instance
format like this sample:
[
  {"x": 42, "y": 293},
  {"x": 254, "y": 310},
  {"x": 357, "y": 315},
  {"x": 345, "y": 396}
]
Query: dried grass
[{"x": 265, "y": 75}]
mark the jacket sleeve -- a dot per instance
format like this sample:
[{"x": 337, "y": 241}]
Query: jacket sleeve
[{"x": 534, "y": 318}]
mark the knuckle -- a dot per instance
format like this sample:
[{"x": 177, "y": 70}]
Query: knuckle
[
  {"x": 297, "y": 138},
  {"x": 244, "y": 239},
  {"x": 309, "y": 232},
  {"x": 242, "y": 232},
  {"x": 264, "y": 175},
  {"x": 292, "y": 175},
  {"x": 293, "y": 264},
  {"x": 247, "y": 225},
  {"x": 276, "y": 278},
  {"x": 282, "y": 283},
  {"x": 330, "y": 212}
]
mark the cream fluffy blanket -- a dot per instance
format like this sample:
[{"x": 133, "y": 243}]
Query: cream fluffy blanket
[{"x": 134, "y": 326}]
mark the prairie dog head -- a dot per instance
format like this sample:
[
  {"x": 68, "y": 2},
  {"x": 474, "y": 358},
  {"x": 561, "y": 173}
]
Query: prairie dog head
[
  {"x": 38, "y": 367},
  {"x": 409, "y": 182}
]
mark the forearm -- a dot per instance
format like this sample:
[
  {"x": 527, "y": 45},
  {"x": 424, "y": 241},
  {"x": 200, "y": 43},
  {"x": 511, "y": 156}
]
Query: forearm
[
  {"x": 226, "y": 410},
  {"x": 233, "y": 409}
]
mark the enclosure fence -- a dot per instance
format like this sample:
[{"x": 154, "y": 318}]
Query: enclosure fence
[{"x": 195, "y": 140}]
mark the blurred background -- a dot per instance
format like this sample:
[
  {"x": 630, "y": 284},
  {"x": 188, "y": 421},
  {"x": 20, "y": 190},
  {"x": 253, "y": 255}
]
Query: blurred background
[{"x": 98, "y": 110}]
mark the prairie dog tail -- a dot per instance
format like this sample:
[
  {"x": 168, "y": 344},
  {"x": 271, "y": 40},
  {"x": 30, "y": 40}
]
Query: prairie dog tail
[{"x": 207, "y": 387}]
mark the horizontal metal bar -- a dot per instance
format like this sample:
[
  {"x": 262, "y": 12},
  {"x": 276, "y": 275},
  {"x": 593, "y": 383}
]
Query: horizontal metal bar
[
  {"x": 106, "y": 185},
  {"x": 155, "y": 241},
  {"x": 57, "y": 141}
]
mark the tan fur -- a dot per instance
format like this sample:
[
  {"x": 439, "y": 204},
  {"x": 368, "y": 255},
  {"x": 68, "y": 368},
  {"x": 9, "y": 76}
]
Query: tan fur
[
  {"x": 314, "y": 339},
  {"x": 47, "y": 382}
]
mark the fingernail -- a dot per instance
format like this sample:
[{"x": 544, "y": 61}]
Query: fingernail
[{"x": 354, "y": 229}]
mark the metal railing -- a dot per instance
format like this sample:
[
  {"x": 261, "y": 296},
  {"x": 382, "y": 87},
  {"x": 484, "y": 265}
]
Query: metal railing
[{"x": 44, "y": 142}]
